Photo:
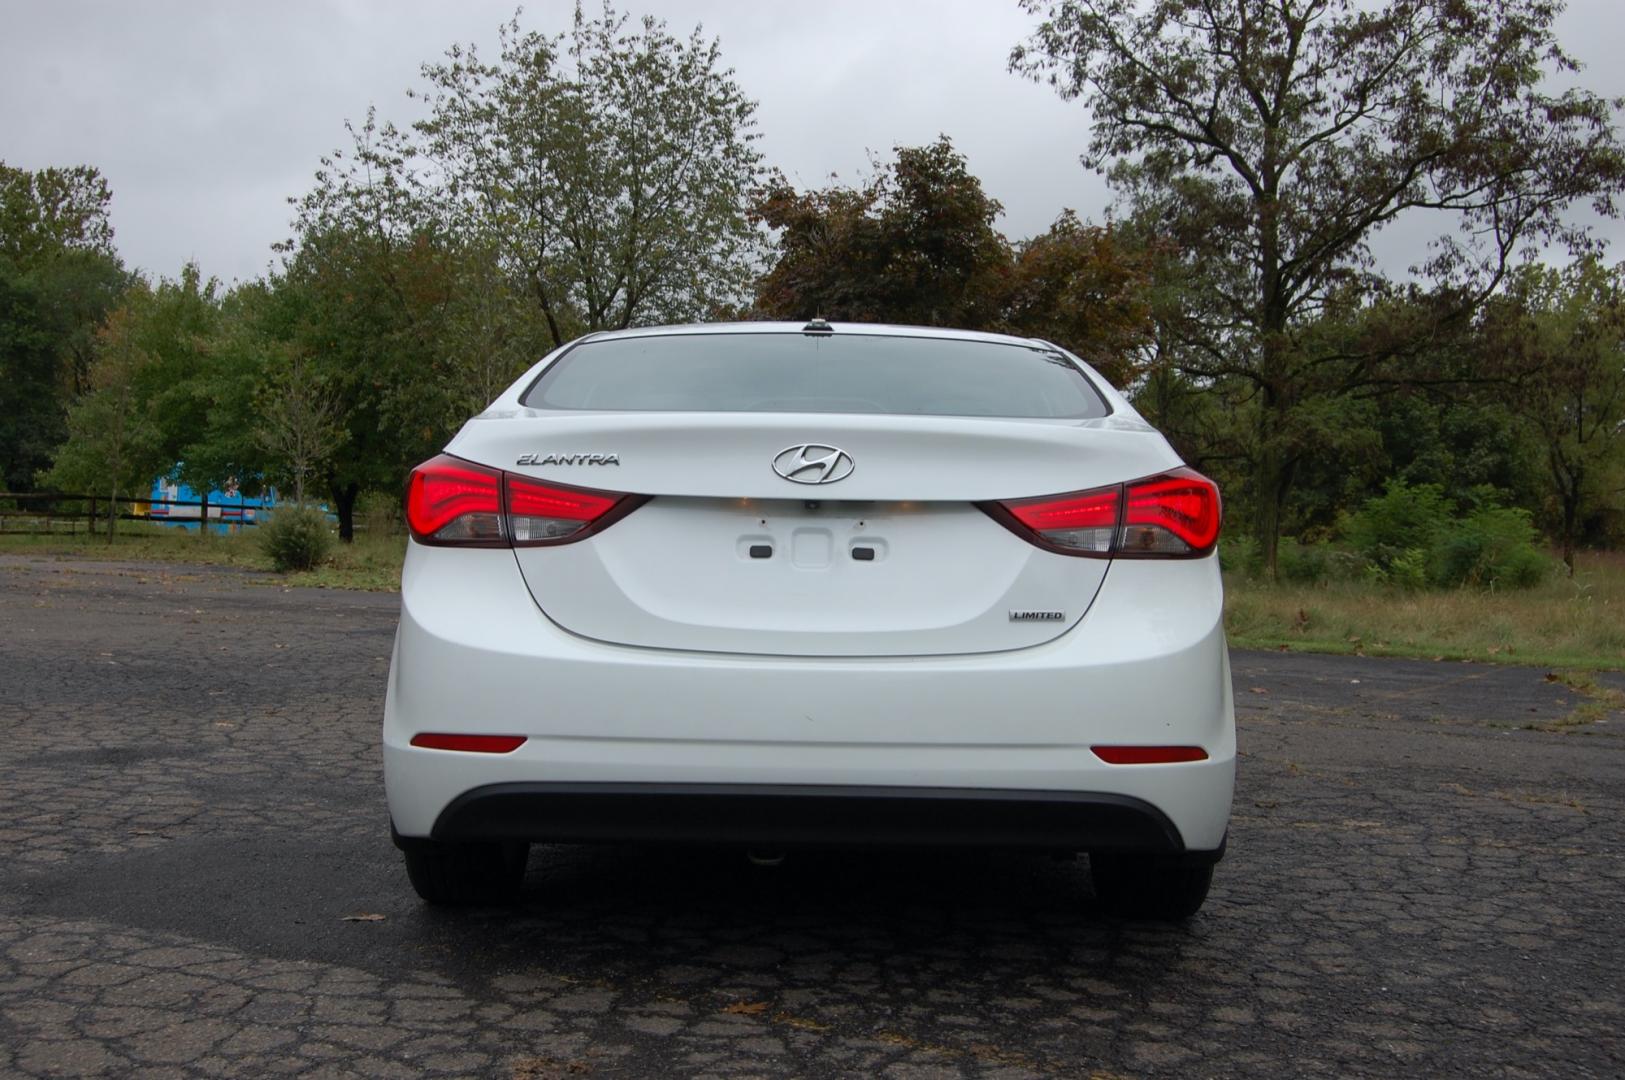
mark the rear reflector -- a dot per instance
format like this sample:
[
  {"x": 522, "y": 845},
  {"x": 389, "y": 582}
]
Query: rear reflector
[
  {"x": 473, "y": 744},
  {"x": 1172, "y": 516},
  {"x": 1148, "y": 755},
  {"x": 454, "y": 502}
]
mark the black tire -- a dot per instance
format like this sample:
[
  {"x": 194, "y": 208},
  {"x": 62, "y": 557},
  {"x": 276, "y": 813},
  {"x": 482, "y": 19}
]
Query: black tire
[
  {"x": 1144, "y": 887},
  {"x": 467, "y": 875}
]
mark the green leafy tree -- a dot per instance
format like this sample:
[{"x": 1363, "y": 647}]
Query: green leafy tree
[
  {"x": 113, "y": 446},
  {"x": 1559, "y": 337},
  {"x": 298, "y": 423},
  {"x": 365, "y": 306},
  {"x": 607, "y": 167},
  {"x": 1082, "y": 287},
  {"x": 59, "y": 277},
  {"x": 1271, "y": 141},
  {"x": 53, "y": 210},
  {"x": 916, "y": 245}
]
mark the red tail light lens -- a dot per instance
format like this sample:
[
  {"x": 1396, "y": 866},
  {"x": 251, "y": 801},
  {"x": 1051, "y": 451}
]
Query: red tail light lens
[
  {"x": 1084, "y": 523},
  {"x": 541, "y": 513},
  {"x": 1173, "y": 516},
  {"x": 1176, "y": 514},
  {"x": 450, "y": 501}
]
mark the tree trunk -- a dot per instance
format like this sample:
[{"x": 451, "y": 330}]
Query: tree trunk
[
  {"x": 1571, "y": 518},
  {"x": 1270, "y": 481},
  {"x": 344, "y": 506}
]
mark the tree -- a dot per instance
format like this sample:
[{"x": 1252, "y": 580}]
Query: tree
[
  {"x": 608, "y": 167},
  {"x": 59, "y": 277},
  {"x": 298, "y": 422},
  {"x": 1271, "y": 141},
  {"x": 53, "y": 210},
  {"x": 1081, "y": 287},
  {"x": 1559, "y": 336},
  {"x": 916, "y": 245},
  {"x": 366, "y": 310},
  {"x": 113, "y": 445}
]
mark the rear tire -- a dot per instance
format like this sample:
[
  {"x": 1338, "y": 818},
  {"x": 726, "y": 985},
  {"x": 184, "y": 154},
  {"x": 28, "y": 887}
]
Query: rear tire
[
  {"x": 468, "y": 874},
  {"x": 1145, "y": 887}
]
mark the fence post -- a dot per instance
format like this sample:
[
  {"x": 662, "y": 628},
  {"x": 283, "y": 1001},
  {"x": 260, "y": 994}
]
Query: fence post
[
  {"x": 203, "y": 516},
  {"x": 92, "y": 529}
]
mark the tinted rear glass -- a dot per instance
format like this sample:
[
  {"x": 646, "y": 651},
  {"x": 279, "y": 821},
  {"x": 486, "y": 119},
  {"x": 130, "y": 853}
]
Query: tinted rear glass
[{"x": 839, "y": 373}]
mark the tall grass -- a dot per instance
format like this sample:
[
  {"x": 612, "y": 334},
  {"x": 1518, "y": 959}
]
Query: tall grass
[
  {"x": 1560, "y": 622},
  {"x": 373, "y": 561}
]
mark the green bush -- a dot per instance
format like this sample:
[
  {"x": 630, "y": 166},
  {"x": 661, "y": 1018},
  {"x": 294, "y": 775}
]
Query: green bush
[
  {"x": 1415, "y": 537},
  {"x": 1494, "y": 547},
  {"x": 1404, "y": 519},
  {"x": 1239, "y": 554},
  {"x": 296, "y": 538}
]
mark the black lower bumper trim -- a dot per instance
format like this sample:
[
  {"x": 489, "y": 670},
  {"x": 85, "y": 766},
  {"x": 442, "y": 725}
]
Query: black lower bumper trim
[{"x": 801, "y": 815}]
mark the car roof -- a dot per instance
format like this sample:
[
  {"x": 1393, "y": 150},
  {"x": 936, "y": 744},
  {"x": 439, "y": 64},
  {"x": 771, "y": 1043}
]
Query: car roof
[{"x": 836, "y": 329}]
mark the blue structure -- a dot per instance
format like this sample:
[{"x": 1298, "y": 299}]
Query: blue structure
[{"x": 229, "y": 508}]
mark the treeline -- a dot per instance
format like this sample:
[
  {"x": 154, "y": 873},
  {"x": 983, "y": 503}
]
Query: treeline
[{"x": 610, "y": 177}]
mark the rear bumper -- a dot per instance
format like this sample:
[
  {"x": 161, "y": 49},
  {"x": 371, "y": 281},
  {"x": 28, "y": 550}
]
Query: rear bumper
[
  {"x": 811, "y": 815},
  {"x": 617, "y": 732}
]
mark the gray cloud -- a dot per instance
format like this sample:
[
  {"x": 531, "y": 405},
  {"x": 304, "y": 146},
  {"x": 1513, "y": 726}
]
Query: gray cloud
[{"x": 206, "y": 116}]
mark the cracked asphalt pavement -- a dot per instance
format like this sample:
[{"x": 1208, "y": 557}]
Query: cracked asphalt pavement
[{"x": 197, "y": 881}]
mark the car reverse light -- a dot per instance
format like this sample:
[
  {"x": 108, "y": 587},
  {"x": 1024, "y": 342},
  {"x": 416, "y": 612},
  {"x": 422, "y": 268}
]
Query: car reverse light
[
  {"x": 1148, "y": 755},
  {"x": 473, "y": 744},
  {"x": 1082, "y": 523},
  {"x": 452, "y": 502},
  {"x": 1172, "y": 516},
  {"x": 541, "y": 513}
]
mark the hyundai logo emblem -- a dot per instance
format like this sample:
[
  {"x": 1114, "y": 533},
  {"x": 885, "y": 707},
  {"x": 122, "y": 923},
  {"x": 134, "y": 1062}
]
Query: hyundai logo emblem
[{"x": 813, "y": 463}]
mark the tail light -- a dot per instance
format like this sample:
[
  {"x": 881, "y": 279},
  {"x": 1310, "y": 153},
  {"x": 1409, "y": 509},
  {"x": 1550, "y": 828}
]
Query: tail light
[
  {"x": 450, "y": 501},
  {"x": 1172, "y": 516}
]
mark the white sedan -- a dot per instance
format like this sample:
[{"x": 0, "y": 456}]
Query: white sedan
[{"x": 777, "y": 585}]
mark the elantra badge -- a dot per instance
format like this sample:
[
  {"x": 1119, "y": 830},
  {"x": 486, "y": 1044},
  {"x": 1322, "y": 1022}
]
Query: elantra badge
[
  {"x": 813, "y": 463},
  {"x": 568, "y": 459}
]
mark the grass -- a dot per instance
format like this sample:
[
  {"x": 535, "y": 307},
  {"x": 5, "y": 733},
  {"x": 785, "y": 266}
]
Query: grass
[
  {"x": 1574, "y": 625},
  {"x": 1577, "y": 624},
  {"x": 372, "y": 563}
]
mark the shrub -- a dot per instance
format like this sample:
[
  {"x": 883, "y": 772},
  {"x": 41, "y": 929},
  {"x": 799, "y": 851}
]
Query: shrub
[
  {"x": 296, "y": 538},
  {"x": 379, "y": 513},
  {"x": 1494, "y": 547},
  {"x": 1239, "y": 554},
  {"x": 1404, "y": 519},
  {"x": 1416, "y": 537}
]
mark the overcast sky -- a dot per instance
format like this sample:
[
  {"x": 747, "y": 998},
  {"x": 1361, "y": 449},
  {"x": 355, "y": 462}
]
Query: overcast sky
[{"x": 206, "y": 115}]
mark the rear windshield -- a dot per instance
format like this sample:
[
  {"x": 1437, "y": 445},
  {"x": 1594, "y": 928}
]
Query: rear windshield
[{"x": 828, "y": 373}]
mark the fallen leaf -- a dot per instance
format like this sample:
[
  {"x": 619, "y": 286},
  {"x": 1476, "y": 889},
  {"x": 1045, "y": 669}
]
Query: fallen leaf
[
  {"x": 746, "y": 1008},
  {"x": 364, "y": 917},
  {"x": 1257, "y": 690}
]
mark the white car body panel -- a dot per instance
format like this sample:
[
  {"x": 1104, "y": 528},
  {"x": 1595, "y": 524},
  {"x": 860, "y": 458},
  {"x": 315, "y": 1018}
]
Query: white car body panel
[
  {"x": 658, "y": 652},
  {"x": 473, "y": 654}
]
